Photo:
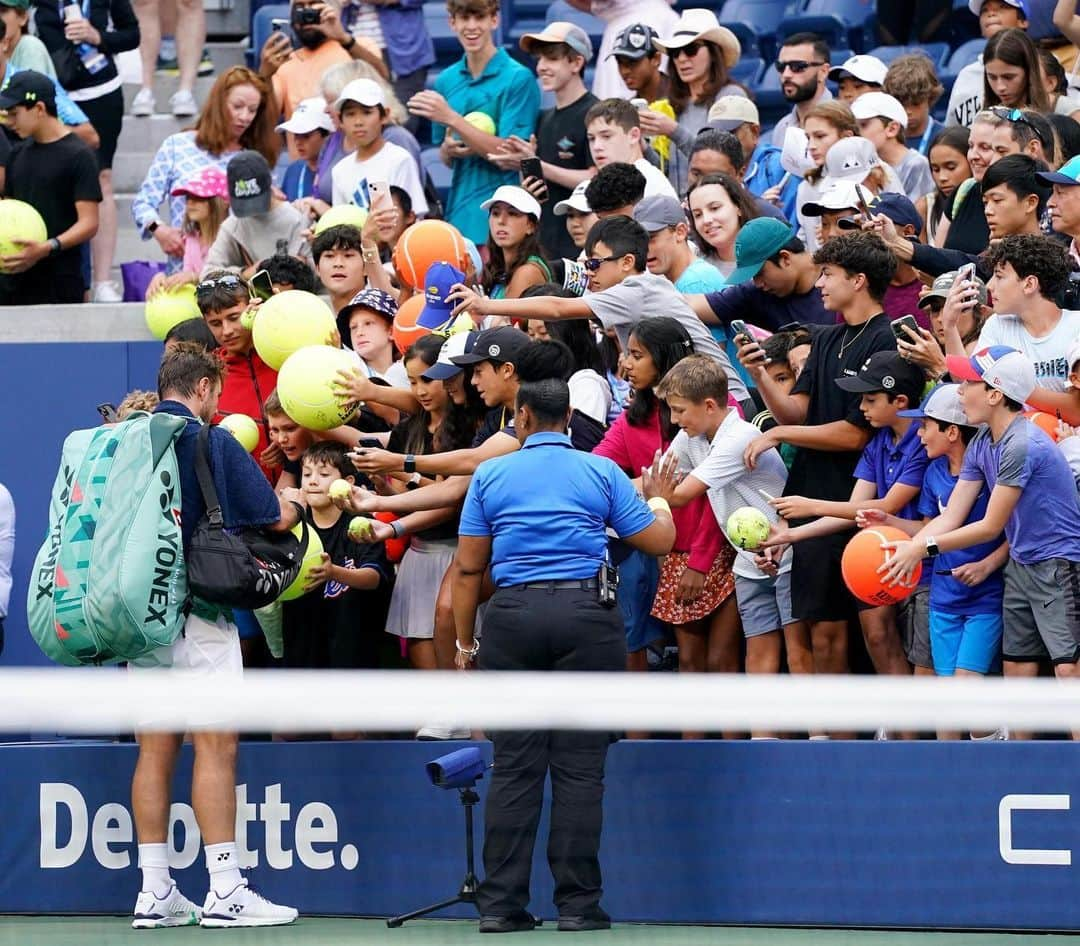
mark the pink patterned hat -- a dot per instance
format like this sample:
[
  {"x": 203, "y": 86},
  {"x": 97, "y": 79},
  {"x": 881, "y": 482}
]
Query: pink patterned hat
[{"x": 209, "y": 182}]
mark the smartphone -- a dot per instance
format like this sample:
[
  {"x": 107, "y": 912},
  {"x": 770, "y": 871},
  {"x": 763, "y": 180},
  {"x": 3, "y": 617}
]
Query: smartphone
[
  {"x": 640, "y": 104},
  {"x": 279, "y": 26},
  {"x": 108, "y": 413},
  {"x": 905, "y": 321},
  {"x": 864, "y": 207},
  {"x": 966, "y": 273},
  {"x": 261, "y": 286},
  {"x": 379, "y": 193},
  {"x": 738, "y": 327},
  {"x": 531, "y": 167}
]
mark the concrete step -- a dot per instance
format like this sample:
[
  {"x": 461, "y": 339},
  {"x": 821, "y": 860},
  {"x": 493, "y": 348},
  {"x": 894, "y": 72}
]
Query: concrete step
[
  {"x": 145, "y": 135},
  {"x": 164, "y": 86}
]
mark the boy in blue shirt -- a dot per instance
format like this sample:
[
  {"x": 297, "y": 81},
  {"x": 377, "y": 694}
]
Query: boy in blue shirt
[
  {"x": 1032, "y": 497},
  {"x": 888, "y": 477},
  {"x": 486, "y": 79}
]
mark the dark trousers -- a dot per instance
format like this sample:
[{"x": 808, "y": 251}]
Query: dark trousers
[{"x": 545, "y": 629}]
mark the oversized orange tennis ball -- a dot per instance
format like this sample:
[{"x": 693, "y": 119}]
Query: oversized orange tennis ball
[
  {"x": 863, "y": 556},
  {"x": 395, "y": 548},
  {"x": 405, "y": 330},
  {"x": 424, "y": 243},
  {"x": 1047, "y": 422}
]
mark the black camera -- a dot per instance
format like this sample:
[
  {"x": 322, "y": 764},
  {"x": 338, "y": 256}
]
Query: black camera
[
  {"x": 306, "y": 16},
  {"x": 1070, "y": 295}
]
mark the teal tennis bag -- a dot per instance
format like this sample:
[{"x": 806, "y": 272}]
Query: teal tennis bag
[{"x": 110, "y": 583}]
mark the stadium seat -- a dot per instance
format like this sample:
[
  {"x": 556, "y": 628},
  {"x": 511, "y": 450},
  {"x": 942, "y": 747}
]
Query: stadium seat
[
  {"x": 937, "y": 52},
  {"x": 841, "y": 22},
  {"x": 965, "y": 54},
  {"x": 440, "y": 174},
  {"x": 755, "y": 23},
  {"x": 261, "y": 28},
  {"x": 748, "y": 70}
]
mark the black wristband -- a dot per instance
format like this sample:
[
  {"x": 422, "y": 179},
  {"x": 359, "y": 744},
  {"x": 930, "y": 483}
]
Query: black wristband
[
  {"x": 349, "y": 45},
  {"x": 409, "y": 466},
  {"x": 299, "y": 511}
]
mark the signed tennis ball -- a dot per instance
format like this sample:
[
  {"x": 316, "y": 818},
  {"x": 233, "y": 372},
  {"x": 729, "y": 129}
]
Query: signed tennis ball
[
  {"x": 360, "y": 528},
  {"x": 340, "y": 489},
  {"x": 748, "y": 527},
  {"x": 243, "y": 428}
]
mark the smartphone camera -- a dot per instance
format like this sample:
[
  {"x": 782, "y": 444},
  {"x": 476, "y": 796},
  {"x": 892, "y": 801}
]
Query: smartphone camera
[{"x": 306, "y": 16}]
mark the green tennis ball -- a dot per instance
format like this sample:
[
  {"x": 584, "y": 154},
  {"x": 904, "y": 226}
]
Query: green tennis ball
[
  {"x": 311, "y": 559},
  {"x": 360, "y": 528},
  {"x": 748, "y": 527},
  {"x": 165, "y": 310},
  {"x": 243, "y": 428},
  {"x": 20, "y": 221},
  {"x": 340, "y": 489},
  {"x": 306, "y": 386},
  {"x": 289, "y": 321}
]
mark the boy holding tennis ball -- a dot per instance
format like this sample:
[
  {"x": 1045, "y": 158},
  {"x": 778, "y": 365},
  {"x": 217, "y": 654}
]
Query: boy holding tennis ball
[
  {"x": 338, "y": 622},
  {"x": 709, "y": 448}
]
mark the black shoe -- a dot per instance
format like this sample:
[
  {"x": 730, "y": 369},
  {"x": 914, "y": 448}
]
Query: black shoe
[
  {"x": 595, "y": 919},
  {"x": 518, "y": 923}
]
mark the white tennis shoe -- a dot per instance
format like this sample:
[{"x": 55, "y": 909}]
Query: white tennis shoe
[
  {"x": 243, "y": 907},
  {"x": 174, "y": 909}
]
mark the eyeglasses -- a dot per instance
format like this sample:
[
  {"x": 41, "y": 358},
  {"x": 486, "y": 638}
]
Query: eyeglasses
[
  {"x": 1017, "y": 116},
  {"x": 228, "y": 281},
  {"x": 690, "y": 49},
  {"x": 797, "y": 66},
  {"x": 593, "y": 263}
]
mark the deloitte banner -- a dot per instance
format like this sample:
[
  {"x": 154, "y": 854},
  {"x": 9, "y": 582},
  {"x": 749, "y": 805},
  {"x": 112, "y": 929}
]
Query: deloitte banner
[{"x": 859, "y": 834}]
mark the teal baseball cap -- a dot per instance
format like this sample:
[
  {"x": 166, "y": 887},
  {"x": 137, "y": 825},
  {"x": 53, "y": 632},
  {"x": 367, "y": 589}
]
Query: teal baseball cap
[
  {"x": 1068, "y": 173},
  {"x": 757, "y": 242}
]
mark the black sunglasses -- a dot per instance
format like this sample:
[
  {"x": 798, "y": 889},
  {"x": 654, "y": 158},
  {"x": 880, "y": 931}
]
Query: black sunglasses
[
  {"x": 690, "y": 49},
  {"x": 593, "y": 263},
  {"x": 797, "y": 66},
  {"x": 228, "y": 281}
]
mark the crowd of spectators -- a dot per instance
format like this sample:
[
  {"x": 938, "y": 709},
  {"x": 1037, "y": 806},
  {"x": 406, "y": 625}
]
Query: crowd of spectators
[{"x": 860, "y": 316}]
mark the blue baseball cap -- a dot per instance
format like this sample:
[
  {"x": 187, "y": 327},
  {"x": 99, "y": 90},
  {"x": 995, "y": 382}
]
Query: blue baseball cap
[
  {"x": 461, "y": 343},
  {"x": 1068, "y": 173},
  {"x": 438, "y": 284},
  {"x": 898, "y": 208},
  {"x": 757, "y": 242},
  {"x": 975, "y": 6}
]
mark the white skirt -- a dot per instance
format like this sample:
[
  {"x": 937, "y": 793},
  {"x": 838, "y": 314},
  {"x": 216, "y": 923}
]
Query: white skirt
[{"x": 419, "y": 577}]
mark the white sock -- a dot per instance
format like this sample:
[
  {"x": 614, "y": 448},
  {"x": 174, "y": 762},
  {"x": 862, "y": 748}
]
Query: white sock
[
  {"x": 224, "y": 867},
  {"x": 154, "y": 861}
]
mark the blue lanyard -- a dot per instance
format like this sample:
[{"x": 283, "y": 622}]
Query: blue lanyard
[{"x": 926, "y": 135}]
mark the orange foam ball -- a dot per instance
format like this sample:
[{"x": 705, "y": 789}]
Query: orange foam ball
[
  {"x": 405, "y": 330},
  {"x": 395, "y": 548},
  {"x": 863, "y": 556},
  {"x": 1047, "y": 422},
  {"x": 425, "y": 243}
]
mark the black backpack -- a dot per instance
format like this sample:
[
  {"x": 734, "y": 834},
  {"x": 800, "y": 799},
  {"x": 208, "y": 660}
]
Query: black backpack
[{"x": 247, "y": 571}]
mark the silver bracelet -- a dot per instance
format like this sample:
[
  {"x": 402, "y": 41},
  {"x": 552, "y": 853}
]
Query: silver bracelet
[{"x": 471, "y": 652}]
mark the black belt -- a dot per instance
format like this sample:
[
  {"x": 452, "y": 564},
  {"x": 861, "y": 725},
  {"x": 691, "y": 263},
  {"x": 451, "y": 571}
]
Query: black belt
[{"x": 572, "y": 584}]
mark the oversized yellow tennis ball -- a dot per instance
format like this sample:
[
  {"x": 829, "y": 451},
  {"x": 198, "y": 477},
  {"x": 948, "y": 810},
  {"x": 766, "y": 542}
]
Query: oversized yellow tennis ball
[
  {"x": 247, "y": 318},
  {"x": 360, "y": 529},
  {"x": 288, "y": 321},
  {"x": 463, "y": 323},
  {"x": 243, "y": 428},
  {"x": 306, "y": 387},
  {"x": 164, "y": 310},
  {"x": 481, "y": 121},
  {"x": 311, "y": 559},
  {"x": 340, "y": 489},
  {"x": 342, "y": 215},
  {"x": 19, "y": 221}
]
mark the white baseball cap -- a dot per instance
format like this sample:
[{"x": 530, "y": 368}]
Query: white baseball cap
[
  {"x": 362, "y": 91},
  {"x": 517, "y": 197},
  {"x": 879, "y": 104},
  {"x": 836, "y": 195},
  {"x": 865, "y": 68},
  {"x": 943, "y": 404},
  {"x": 851, "y": 159},
  {"x": 576, "y": 201},
  {"x": 310, "y": 115},
  {"x": 1004, "y": 369}
]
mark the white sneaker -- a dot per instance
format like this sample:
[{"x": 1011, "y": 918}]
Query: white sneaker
[
  {"x": 183, "y": 104},
  {"x": 106, "y": 292},
  {"x": 243, "y": 907},
  {"x": 143, "y": 104},
  {"x": 442, "y": 733},
  {"x": 174, "y": 909}
]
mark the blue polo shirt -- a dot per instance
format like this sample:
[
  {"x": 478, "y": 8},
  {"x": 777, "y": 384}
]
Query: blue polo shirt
[
  {"x": 506, "y": 91},
  {"x": 947, "y": 594},
  {"x": 246, "y": 497},
  {"x": 546, "y": 509},
  {"x": 885, "y": 464}
]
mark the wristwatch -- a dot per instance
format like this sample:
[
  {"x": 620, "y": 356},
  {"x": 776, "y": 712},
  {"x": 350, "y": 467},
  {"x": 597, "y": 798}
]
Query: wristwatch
[
  {"x": 151, "y": 227},
  {"x": 409, "y": 465},
  {"x": 931, "y": 546},
  {"x": 347, "y": 46}
]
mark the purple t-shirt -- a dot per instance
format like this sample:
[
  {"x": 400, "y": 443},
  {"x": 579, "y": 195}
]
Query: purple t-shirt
[
  {"x": 904, "y": 300},
  {"x": 885, "y": 464},
  {"x": 1045, "y": 522}
]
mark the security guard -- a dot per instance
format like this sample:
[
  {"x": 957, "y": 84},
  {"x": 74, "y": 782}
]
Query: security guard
[{"x": 538, "y": 518}]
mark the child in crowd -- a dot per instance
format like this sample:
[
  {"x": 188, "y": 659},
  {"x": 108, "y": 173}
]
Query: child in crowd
[
  {"x": 365, "y": 326},
  {"x": 336, "y": 622},
  {"x": 888, "y": 477},
  {"x": 206, "y": 205},
  {"x": 515, "y": 257},
  {"x": 913, "y": 82},
  {"x": 639, "y": 61},
  {"x": 362, "y": 109},
  {"x": 310, "y": 126},
  {"x": 339, "y": 261},
  {"x": 883, "y": 121},
  {"x": 259, "y": 219},
  {"x": 949, "y": 167},
  {"x": 579, "y": 217},
  {"x": 966, "y": 586},
  {"x": 290, "y": 438},
  {"x": 1032, "y": 497},
  {"x": 709, "y": 449},
  {"x": 287, "y": 272},
  {"x": 966, "y": 98},
  {"x": 614, "y": 131},
  {"x": 191, "y": 330},
  {"x": 858, "y": 75}
]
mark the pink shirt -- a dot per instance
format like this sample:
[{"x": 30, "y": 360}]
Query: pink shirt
[{"x": 194, "y": 254}]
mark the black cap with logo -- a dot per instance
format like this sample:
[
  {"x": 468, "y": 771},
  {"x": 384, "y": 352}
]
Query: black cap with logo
[{"x": 250, "y": 184}]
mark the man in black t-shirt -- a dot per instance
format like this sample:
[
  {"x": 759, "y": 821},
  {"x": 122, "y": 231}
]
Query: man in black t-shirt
[
  {"x": 562, "y": 52},
  {"x": 52, "y": 170},
  {"x": 827, "y": 426}
]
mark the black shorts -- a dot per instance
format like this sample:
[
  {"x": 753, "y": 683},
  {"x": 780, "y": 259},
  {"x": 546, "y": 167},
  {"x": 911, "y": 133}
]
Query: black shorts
[
  {"x": 818, "y": 592},
  {"x": 106, "y": 114}
]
